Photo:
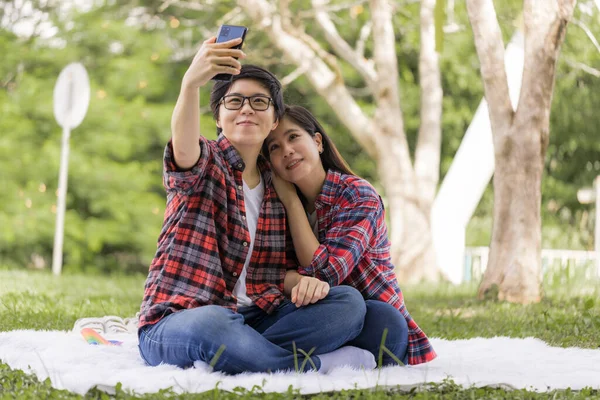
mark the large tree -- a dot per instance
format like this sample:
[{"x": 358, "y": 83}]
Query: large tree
[{"x": 521, "y": 139}]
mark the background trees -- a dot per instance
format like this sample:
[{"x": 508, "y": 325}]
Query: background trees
[{"x": 136, "y": 57}]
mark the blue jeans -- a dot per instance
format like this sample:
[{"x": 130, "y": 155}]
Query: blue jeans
[
  {"x": 380, "y": 316},
  {"x": 254, "y": 340}
]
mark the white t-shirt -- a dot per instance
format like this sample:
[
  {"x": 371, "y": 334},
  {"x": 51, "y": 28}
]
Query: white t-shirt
[
  {"x": 253, "y": 199},
  {"x": 312, "y": 220}
]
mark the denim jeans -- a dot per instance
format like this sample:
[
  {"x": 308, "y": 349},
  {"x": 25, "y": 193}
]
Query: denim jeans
[
  {"x": 380, "y": 316},
  {"x": 253, "y": 340}
]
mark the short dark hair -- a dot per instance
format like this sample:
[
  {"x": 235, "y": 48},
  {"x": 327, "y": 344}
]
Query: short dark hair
[
  {"x": 330, "y": 157},
  {"x": 254, "y": 72}
]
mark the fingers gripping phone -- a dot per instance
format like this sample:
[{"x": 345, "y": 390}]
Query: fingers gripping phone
[{"x": 230, "y": 32}]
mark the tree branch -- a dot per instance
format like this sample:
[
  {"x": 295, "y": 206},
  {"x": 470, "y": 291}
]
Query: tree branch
[
  {"x": 387, "y": 97},
  {"x": 184, "y": 4},
  {"x": 340, "y": 46},
  {"x": 384, "y": 46},
  {"x": 333, "y": 8},
  {"x": 365, "y": 32},
  {"x": 490, "y": 51},
  {"x": 587, "y": 31},
  {"x": 326, "y": 82},
  {"x": 583, "y": 67},
  {"x": 286, "y": 80}
]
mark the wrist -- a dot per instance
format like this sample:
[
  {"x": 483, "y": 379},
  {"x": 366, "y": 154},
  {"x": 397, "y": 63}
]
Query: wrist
[
  {"x": 292, "y": 203},
  {"x": 188, "y": 86}
]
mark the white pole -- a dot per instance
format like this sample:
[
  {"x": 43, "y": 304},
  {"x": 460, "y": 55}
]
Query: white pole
[
  {"x": 597, "y": 224},
  {"x": 71, "y": 100},
  {"x": 61, "y": 202}
]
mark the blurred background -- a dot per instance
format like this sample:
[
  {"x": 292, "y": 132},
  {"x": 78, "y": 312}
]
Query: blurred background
[{"x": 136, "y": 53}]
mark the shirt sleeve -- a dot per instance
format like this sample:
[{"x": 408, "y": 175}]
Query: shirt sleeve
[
  {"x": 290, "y": 251},
  {"x": 185, "y": 181},
  {"x": 352, "y": 228}
]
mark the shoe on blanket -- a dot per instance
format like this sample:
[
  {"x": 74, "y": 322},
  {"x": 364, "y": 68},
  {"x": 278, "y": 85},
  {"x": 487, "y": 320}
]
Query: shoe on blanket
[{"x": 107, "y": 324}]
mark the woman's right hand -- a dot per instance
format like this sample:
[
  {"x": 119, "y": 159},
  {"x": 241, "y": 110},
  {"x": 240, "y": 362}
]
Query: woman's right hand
[
  {"x": 212, "y": 59},
  {"x": 286, "y": 191}
]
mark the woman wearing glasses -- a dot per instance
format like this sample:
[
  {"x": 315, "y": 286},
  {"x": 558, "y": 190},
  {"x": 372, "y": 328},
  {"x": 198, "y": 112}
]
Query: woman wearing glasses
[
  {"x": 214, "y": 292},
  {"x": 337, "y": 222}
]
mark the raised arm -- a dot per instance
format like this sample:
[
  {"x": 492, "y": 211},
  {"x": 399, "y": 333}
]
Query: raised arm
[{"x": 212, "y": 59}]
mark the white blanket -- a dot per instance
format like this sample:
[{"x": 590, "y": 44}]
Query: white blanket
[{"x": 73, "y": 364}]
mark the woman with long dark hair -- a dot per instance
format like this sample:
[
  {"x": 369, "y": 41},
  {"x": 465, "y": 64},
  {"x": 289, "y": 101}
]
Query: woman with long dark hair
[{"x": 337, "y": 223}]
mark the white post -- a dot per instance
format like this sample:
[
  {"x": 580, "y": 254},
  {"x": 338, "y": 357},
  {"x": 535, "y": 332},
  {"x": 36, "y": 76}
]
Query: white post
[
  {"x": 71, "y": 100},
  {"x": 61, "y": 206},
  {"x": 597, "y": 224}
]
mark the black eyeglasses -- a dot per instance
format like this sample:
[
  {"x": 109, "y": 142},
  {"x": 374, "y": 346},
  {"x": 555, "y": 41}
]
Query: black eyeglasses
[{"x": 258, "y": 102}]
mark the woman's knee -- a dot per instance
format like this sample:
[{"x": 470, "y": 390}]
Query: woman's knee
[
  {"x": 384, "y": 320},
  {"x": 350, "y": 302},
  {"x": 386, "y": 315},
  {"x": 382, "y": 316}
]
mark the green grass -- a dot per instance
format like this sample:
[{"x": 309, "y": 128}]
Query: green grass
[
  {"x": 39, "y": 300},
  {"x": 564, "y": 318},
  {"x": 569, "y": 315}
]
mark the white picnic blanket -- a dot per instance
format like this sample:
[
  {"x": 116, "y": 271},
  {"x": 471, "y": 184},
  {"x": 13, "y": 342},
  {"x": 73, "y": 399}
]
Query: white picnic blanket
[{"x": 72, "y": 364}]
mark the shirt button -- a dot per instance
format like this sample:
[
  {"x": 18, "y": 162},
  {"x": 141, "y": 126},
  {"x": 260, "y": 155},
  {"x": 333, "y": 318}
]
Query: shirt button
[
  {"x": 240, "y": 187},
  {"x": 239, "y": 165},
  {"x": 244, "y": 217},
  {"x": 235, "y": 274},
  {"x": 245, "y": 244}
]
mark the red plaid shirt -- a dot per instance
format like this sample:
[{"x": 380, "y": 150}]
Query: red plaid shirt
[
  {"x": 204, "y": 239},
  {"x": 355, "y": 250}
]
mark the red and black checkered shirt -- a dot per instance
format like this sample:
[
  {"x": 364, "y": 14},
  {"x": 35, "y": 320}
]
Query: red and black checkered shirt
[
  {"x": 204, "y": 239},
  {"x": 355, "y": 251}
]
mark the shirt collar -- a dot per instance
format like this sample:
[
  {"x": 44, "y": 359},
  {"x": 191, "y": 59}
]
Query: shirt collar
[
  {"x": 330, "y": 187},
  {"x": 231, "y": 155},
  {"x": 233, "y": 158}
]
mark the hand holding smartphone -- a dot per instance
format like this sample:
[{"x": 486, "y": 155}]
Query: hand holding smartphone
[{"x": 226, "y": 33}]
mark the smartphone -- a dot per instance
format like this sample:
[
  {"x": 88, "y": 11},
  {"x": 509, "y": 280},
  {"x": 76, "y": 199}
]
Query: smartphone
[{"x": 230, "y": 32}]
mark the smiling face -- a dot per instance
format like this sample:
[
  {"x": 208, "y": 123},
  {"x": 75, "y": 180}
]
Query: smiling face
[
  {"x": 246, "y": 127},
  {"x": 294, "y": 153}
]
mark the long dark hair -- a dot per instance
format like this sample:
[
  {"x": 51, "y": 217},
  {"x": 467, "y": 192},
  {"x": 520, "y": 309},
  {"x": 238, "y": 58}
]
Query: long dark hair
[{"x": 330, "y": 157}]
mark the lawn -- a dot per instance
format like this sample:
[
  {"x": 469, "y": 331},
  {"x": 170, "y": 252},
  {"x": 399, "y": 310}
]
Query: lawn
[{"x": 569, "y": 315}]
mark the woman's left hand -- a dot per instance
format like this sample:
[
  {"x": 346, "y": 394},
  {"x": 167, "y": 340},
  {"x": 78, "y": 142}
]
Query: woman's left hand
[
  {"x": 309, "y": 290},
  {"x": 286, "y": 191}
]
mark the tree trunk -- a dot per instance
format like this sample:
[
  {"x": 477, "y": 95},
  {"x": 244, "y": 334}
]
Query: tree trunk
[
  {"x": 520, "y": 142},
  {"x": 514, "y": 269},
  {"x": 409, "y": 212}
]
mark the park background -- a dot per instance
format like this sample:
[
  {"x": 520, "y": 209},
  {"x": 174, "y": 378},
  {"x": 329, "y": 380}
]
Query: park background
[{"x": 136, "y": 54}]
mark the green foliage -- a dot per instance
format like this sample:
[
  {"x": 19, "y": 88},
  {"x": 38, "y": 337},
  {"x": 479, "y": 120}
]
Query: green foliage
[
  {"x": 115, "y": 196},
  {"x": 134, "y": 59},
  {"x": 440, "y": 20},
  {"x": 573, "y": 156}
]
